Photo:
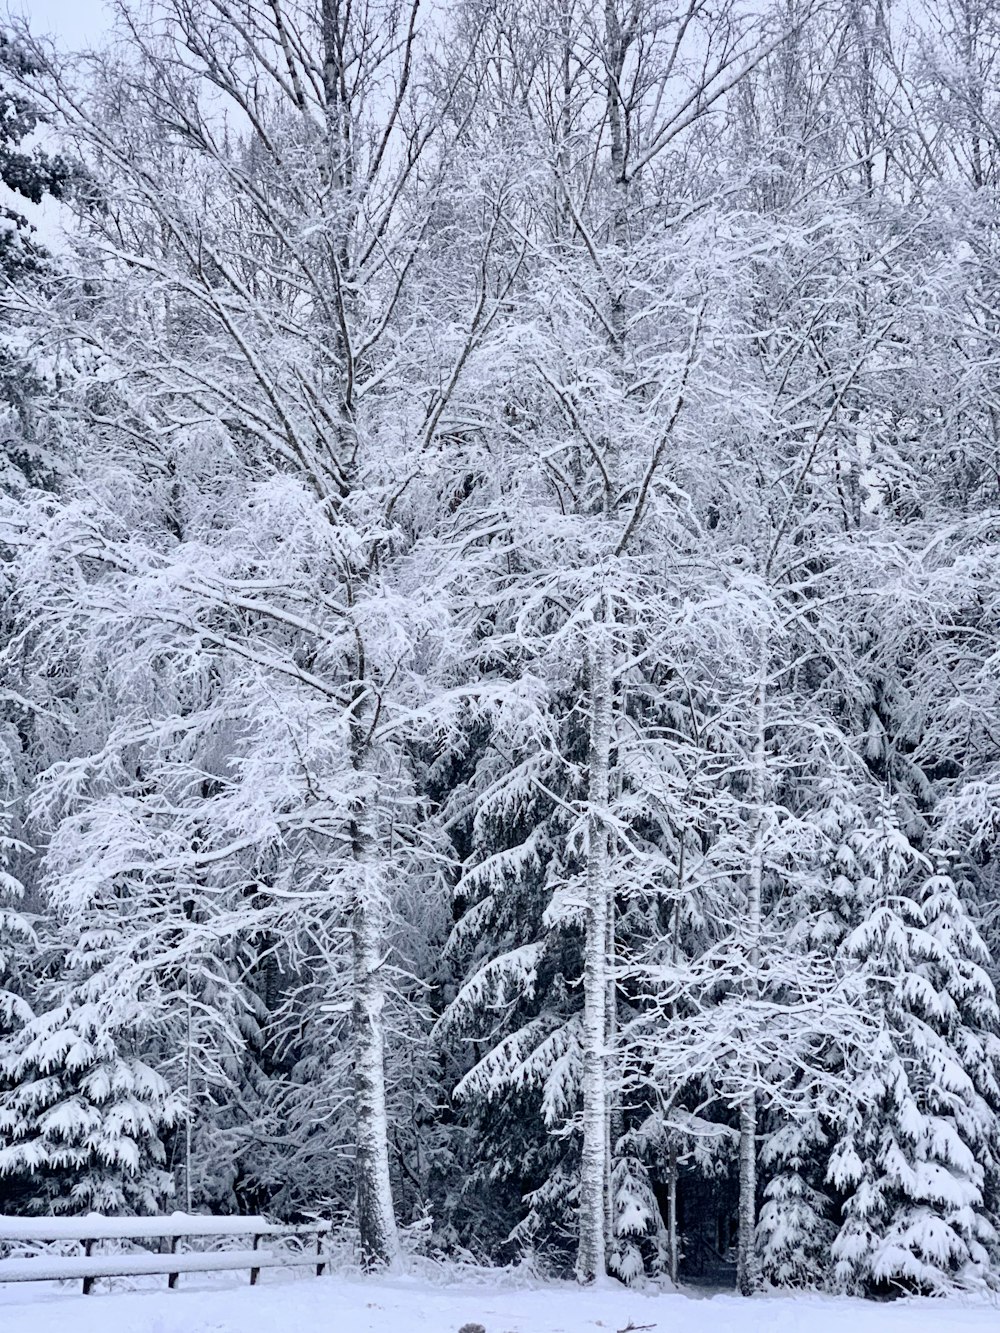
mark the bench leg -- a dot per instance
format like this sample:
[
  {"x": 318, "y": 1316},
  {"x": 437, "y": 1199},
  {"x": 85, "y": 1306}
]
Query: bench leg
[{"x": 88, "y": 1282}]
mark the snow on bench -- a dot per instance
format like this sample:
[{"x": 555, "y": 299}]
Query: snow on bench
[{"x": 94, "y": 1227}]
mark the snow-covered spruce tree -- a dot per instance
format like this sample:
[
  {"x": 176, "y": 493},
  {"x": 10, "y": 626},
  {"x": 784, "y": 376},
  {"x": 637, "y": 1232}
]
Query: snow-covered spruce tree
[
  {"x": 915, "y": 1157},
  {"x": 19, "y": 951},
  {"x": 26, "y": 459},
  {"x": 797, "y": 1223},
  {"x": 25, "y": 170},
  {"x": 904, "y": 725},
  {"x": 930, "y": 513},
  {"x": 82, "y": 1118},
  {"x": 30, "y": 176},
  {"x": 899, "y": 1156}
]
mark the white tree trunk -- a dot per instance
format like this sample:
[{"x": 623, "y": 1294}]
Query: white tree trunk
[
  {"x": 746, "y": 1258},
  {"x": 376, "y": 1217},
  {"x": 613, "y": 1127},
  {"x": 189, "y": 1083},
  {"x": 591, "y": 1264}
]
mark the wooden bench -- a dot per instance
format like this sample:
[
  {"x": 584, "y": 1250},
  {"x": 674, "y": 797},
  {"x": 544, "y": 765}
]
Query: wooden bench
[{"x": 90, "y": 1230}]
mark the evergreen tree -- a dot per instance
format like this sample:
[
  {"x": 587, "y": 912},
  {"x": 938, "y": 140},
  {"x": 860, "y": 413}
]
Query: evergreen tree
[{"x": 915, "y": 1156}]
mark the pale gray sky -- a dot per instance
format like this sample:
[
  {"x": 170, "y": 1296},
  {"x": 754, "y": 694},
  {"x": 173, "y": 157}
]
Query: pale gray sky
[{"x": 71, "y": 22}]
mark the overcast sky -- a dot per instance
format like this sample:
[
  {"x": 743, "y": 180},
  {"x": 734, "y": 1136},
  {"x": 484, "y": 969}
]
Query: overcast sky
[{"x": 72, "y": 22}]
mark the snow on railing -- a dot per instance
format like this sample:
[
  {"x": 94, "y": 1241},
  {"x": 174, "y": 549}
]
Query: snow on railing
[{"x": 91, "y": 1229}]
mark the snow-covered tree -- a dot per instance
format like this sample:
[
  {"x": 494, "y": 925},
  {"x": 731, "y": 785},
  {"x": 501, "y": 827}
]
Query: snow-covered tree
[
  {"x": 915, "y": 1153},
  {"x": 499, "y": 704}
]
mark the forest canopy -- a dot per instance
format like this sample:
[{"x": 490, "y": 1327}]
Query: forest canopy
[{"x": 500, "y": 630}]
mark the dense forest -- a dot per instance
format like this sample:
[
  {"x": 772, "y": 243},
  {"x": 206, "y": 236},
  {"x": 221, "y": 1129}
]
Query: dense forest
[{"x": 500, "y": 646}]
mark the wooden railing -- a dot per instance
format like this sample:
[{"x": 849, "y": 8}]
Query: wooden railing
[{"x": 90, "y": 1231}]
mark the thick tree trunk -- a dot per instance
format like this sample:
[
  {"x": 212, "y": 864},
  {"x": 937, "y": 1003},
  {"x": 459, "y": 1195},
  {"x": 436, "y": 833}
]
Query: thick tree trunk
[
  {"x": 746, "y": 1255},
  {"x": 591, "y": 1261},
  {"x": 376, "y": 1217}
]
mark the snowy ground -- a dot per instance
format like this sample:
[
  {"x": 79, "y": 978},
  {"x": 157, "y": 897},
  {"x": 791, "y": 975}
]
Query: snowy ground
[{"x": 406, "y": 1305}]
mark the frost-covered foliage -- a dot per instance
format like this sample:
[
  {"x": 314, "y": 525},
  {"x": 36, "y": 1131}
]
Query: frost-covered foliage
[
  {"x": 915, "y": 1152},
  {"x": 28, "y": 176},
  {"x": 26, "y": 170},
  {"x": 499, "y": 676}
]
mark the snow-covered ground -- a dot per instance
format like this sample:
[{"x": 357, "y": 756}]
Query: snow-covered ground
[{"x": 407, "y": 1305}]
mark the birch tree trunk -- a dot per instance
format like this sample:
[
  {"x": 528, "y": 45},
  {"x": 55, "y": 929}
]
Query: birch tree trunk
[
  {"x": 591, "y": 1264},
  {"x": 747, "y": 1269},
  {"x": 613, "y": 1119},
  {"x": 376, "y": 1217},
  {"x": 746, "y": 1263},
  {"x": 379, "y": 1239}
]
